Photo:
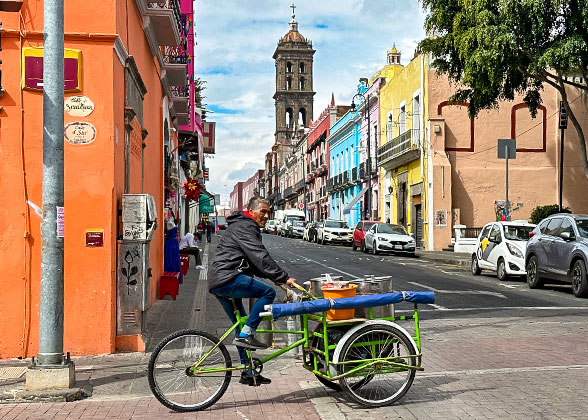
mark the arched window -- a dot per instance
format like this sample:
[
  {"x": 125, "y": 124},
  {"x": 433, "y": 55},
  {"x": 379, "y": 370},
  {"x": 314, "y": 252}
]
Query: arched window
[
  {"x": 289, "y": 118},
  {"x": 302, "y": 117},
  {"x": 301, "y": 83},
  {"x": 288, "y": 67},
  {"x": 346, "y": 164},
  {"x": 288, "y": 83},
  {"x": 302, "y": 67}
]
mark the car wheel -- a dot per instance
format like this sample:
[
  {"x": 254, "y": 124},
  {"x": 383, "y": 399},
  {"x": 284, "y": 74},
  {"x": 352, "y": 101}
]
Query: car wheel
[
  {"x": 475, "y": 267},
  {"x": 374, "y": 248},
  {"x": 579, "y": 281},
  {"x": 363, "y": 247},
  {"x": 534, "y": 280},
  {"x": 501, "y": 270}
]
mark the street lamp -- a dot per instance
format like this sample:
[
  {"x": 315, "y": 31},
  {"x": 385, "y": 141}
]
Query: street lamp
[{"x": 362, "y": 97}]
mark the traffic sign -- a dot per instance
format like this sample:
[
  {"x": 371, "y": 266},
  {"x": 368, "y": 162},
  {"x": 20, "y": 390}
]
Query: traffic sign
[{"x": 301, "y": 206}]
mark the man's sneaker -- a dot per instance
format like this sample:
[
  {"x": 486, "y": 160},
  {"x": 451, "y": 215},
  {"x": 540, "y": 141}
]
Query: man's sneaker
[
  {"x": 249, "y": 342},
  {"x": 247, "y": 379}
]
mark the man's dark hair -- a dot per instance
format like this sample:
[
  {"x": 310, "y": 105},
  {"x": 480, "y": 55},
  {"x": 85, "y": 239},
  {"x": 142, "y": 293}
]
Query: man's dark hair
[{"x": 255, "y": 201}]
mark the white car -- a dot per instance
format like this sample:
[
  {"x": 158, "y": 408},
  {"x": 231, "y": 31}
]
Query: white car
[
  {"x": 388, "y": 237},
  {"x": 335, "y": 231},
  {"x": 270, "y": 226},
  {"x": 501, "y": 247}
]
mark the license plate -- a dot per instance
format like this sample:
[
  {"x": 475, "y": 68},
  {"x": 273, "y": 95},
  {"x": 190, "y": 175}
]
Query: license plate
[{"x": 397, "y": 246}]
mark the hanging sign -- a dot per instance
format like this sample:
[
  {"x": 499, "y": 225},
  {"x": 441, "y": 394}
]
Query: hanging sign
[
  {"x": 79, "y": 132},
  {"x": 78, "y": 106}
]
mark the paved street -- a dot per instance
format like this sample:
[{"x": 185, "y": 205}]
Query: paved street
[{"x": 491, "y": 350}]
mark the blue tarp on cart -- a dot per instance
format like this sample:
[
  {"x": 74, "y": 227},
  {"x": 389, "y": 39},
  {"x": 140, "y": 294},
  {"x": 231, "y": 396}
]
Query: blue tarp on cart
[{"x": 365, "y": 301}]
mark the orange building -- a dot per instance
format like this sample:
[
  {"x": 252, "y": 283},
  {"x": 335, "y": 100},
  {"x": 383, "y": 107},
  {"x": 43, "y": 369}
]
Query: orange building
[{"x": 125, "y": 106}]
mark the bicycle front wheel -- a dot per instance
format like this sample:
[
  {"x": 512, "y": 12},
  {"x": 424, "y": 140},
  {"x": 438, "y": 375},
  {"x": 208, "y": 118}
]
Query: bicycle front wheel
[
  {"x": 385, "y": 379},
  {"x": 175, "y": 385}
]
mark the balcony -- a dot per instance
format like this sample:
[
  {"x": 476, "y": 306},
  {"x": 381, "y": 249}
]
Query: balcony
[
  {"x": 401, "y": 150},
  {"x": 176, "y": 68},
  {"x": 165, "y": 19},
  {"x": 355, "y": 175},
  {"x": 289, "y": 192},
  {"x": 346, "y": 178},
  {"x": 299, "y": 186},
  {"x": 330, "y": 184},
  {"x": 279, "y": 197}
]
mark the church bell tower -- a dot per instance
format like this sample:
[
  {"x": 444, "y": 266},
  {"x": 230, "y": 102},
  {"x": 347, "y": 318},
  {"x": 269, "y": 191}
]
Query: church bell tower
[{"x": 294, "y": 96}]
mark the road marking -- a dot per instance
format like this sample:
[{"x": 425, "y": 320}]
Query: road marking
[
  {"x": 325, "y": 265},
  {"x": 441, "y": 308},
  {"x": 500, "y": 370},
  {"x": 508, "y": 286},
  {"x": 461, "y": 292},
  {"x": 243, "y": 416},
  {"x": 518, "y": 308}
]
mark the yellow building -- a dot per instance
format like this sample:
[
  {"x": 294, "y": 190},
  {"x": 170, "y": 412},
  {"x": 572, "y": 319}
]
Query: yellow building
[{"x": 402, "y": 150}]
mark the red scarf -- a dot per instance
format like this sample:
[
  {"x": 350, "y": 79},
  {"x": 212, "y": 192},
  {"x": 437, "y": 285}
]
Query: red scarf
[{"x": 246, "y": 213}]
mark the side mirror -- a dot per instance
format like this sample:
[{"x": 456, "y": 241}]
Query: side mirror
[
  {"x": 411, "y": 235},
  {"x": 567, "y": 236}
]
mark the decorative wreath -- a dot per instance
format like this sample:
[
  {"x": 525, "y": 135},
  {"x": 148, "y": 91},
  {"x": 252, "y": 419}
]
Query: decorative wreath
[{"x": 192, "y": 190}]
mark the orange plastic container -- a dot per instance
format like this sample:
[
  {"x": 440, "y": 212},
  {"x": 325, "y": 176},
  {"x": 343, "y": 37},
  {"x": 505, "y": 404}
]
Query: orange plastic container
[{"x": 335, "y": 293}]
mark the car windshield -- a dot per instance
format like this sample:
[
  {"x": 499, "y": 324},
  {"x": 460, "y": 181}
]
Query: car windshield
[
  {"x": 298, "y": 223},
  {"x": 294, "y": 218},
  {"x": 387, "y": 228},
  {"x": 517, "y": 233},
  {"x": 582, "y": 227},
  {"x": 333, "y": 224}
]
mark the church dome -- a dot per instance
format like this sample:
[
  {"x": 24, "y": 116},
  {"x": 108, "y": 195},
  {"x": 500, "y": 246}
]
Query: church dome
[{"x": 293, "y": 36}]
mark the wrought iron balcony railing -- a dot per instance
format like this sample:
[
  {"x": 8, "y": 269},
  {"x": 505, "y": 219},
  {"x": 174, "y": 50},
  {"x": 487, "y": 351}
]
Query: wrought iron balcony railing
[{"x": 399, "y": 145}]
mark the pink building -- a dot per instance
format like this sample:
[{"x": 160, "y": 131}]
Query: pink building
[{"x": 244, "y": 190}]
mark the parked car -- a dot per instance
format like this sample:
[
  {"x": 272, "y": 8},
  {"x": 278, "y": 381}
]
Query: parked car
[
  {"x": 359, "y": 233},
  {"x": 558, "y": 249},
  {"x": 501, "y": 248},
  {"x": 270, "y": 226},
  {"x": 335, "y": 231},
  {"x": 296, "y": 229},
  {"x": 388, "y": 237}
]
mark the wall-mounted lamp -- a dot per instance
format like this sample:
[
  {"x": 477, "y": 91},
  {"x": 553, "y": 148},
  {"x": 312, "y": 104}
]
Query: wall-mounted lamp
[
  {"x": 390, "y": 189},
  {"x": 437, "y": 129}
]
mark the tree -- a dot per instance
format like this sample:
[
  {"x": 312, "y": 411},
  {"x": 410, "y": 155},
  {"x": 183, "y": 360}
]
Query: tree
[{"x": 494, "y": 49}]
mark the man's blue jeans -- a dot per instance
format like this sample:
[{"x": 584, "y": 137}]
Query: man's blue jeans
[{"x": 244, "y": 287}]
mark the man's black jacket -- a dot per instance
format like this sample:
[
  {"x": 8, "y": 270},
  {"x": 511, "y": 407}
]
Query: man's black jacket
[{"x": 240, "y": 251}]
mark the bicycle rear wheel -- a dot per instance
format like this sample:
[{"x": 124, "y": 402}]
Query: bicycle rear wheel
[
  {"x": 382, "y": 383},
  {"x": 171, "y": 380}
]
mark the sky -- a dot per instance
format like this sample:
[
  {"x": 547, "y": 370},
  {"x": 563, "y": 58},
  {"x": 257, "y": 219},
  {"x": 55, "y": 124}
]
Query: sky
[{"x": 235, "y": 44}]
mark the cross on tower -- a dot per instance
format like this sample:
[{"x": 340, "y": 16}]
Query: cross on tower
[{"x": 293, "y": 7}]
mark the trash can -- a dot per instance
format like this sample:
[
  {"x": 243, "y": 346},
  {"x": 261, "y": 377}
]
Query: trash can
[
  {"x": 371, "y": 285},
  {"x": 349, "y": 290}
]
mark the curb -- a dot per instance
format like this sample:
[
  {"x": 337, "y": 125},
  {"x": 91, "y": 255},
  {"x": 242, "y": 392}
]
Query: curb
[{"x": 461, "y": 263}]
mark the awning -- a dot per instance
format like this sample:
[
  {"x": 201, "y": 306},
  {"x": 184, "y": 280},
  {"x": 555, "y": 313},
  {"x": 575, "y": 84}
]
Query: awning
[{"x": 355, "y": 200}]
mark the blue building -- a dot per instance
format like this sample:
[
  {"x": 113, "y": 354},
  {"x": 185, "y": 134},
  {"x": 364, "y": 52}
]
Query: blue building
[{"x": 344, "y": 183}]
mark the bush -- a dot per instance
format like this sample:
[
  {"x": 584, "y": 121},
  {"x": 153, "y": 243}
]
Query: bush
[{"x": 541, "y": 212}]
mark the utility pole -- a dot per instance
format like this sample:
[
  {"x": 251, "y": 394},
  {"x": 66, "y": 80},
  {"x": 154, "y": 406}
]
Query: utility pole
[
  {"x": 563, "y": 124},
  {"x": 50, "y": 370}
]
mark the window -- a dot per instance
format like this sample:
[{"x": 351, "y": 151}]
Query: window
[
  {"x": 302, "y": 67},
  {"x": 289, "y": 118},
  {"x": 495, "y": 235},
  {"x": 288, "y": 67},
  {"x": 367, "y": 225},
  {"x": 553, "y": 226},
  {"x": 390, "y": 126},
  {"x": 302, "y": 117},
  {"x": 543, "y": 226},
  {"x": 582, "y": 225},
  {"x": 402, "y": 119},
  {"x": 301, "y": 83},
  {"x": 485, "y": 232},
  {"x": 288, "y": 83},
  {"x": 416, "y": 112}
]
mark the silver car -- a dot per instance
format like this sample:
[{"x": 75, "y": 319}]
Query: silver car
[{"x": 558, "y": 249}]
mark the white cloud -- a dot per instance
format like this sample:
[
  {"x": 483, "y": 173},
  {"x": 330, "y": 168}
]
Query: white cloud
[{"x": 236, "y": 41}]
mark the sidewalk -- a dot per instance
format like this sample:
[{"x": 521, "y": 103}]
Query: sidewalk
[
  {"x": 116, "y": 385},
  {"x": 461, "y": 260}
]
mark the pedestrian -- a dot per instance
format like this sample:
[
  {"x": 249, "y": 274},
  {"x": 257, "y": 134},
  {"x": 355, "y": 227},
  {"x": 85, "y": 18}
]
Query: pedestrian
[
  {"x": 239, "y": 254},
  {"x": 208, "y": 232},
  {"x": 171, "y": 249},
  {"x": 189, "y": 245},
  {"x": 201, "y": 228}
]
